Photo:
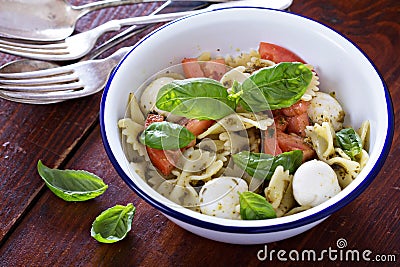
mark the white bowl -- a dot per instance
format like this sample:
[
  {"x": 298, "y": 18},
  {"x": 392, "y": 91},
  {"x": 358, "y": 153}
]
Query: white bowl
[{"x": 341, "y": 66}]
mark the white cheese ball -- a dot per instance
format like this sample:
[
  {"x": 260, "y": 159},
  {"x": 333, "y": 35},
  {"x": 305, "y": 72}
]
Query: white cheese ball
[
  {"x": 324, "y": 107},
  {"x": 219, "y": 197},
  {"x": 314, "y": 182}
]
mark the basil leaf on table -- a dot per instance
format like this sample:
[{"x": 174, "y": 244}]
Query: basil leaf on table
[
  {"x": 262, "y": 166},
  {"x": 113, "y": 224},
  {"x": 72, "y": 185},
  {"x": 255, "y": 207},
  {"x": 349, "y": 141},
  {"x": 196, "y": 98},
  {"x": 275, "y": 87},
  {"x": 166, "y": 135}
]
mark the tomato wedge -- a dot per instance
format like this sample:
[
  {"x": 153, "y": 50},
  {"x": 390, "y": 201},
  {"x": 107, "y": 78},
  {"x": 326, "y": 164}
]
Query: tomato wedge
[
  {"x": 191, "y": 68},
  {"x": 288, "y": 142},
  {"x": 163, "y": 160},
  {"x": 198, "y": 126},
  {"x": 277, "y": 53},
  {"x": 271, "y": 143},
  {"x": 213, "y": 69},
  {"x": 297, "y": 124}
]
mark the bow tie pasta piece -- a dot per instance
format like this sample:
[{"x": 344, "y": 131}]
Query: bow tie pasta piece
[
  {"x": 236, "y": 74},
  {"x": 131, "y": 130},
  {"x": 180, "y": 191},
  {"x": 135, "y": 113},
  {"x": 322, "y": 139},
  {"x": 345, "y": 168},
  {"x": 312, "y": 87},
  {"x": 277, "y": 186},
  {"x": 234, "y": 142},
  {"x": 238, "y": 122},
  {"x": 363, "y": 132}
]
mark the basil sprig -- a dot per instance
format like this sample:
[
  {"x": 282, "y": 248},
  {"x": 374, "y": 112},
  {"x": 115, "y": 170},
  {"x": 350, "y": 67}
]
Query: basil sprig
[
  {"x": 275, "y": 87},
  {"x": 113, "y": 224},
  {"x": 349, "y": 141},
  {"x": 255, "y": 207},
  {"x": 72, "y": 185},
  {"x": 166, "y": 135},
  {"x": 270, "y": 88},
  {"x": 262, "y": 166},
  {"x": 196, "y": 98}
]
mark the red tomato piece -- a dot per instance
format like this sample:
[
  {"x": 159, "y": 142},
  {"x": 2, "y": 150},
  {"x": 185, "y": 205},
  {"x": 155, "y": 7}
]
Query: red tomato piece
[
  {"x": 191, "y": 68},
  {"x": 198, "y": 126},
  {"x": 280, "y": 122},
  {"x": 214, "y": 68},
  {"x": 297, "y": 124},
  {"x": 163, "y": 160},
  {"x": 277, "y": 53},
  {"x": 296, "y": 109},
  {"x": 288, "y": 142},
  {"x": 271, "y": 143}
]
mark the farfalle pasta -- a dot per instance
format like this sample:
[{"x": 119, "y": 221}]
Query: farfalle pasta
[{"x": 224, "y": 131}]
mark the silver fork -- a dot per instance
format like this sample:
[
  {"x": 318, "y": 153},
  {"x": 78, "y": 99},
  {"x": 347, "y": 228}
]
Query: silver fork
[
  {"x": 72, "y": 81},
  {"x": 61, "y": 83},
  {"x": 78, "y": 45}
]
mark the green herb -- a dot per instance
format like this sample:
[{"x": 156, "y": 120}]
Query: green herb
[
  {"x": 166, "y": 135},
  {"x": 255, "y": 207},
  {"x": 275, "y": 87},
  {"x": 72, "y": 185},
  {"x": 113, "y": 224},
  {"x": 262, "y": 166},
  {"x": 349, "y": 141},
  {"x": 196, "y": 98}
]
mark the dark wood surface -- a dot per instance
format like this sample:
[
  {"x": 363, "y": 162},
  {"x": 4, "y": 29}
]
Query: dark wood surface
[{"x": 39, "y": 229}]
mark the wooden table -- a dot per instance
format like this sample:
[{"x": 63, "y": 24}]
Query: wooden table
[{"x": 39, "y": 229}]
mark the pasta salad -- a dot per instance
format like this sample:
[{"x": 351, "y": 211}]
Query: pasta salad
[{"x": 249, "y": 137}]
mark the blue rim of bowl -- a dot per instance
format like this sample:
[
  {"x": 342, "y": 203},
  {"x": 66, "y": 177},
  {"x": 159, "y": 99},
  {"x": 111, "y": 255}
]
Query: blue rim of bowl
[{"x": 252, "y": 229}]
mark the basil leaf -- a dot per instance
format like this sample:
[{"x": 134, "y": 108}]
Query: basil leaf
[
  {"x": 275, "y": 87},
  {"x": 166, "y": 135},
  {"x": 72, "y": 185},
  {"x": 113, "y": 224},
  {"x": 255, "y": 207},
  {"x": 349, "y": 141},
  {"x": 196, "y": 98},
  {"x": 262, "y": 166}
]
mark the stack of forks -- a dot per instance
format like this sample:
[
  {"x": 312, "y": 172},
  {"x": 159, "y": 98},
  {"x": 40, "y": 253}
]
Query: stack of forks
[{"x": 89, "y": 75}]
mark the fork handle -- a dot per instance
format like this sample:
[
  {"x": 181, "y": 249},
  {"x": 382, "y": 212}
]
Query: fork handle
[{"x": 84, "y": 9}]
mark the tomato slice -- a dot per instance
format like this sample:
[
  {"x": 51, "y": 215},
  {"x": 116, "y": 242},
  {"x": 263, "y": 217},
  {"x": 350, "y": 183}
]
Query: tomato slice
[
  {"x": 191, "y": 68},
  {"x": 297, "y": 108},
  {"x": 163, "y": 160},
  {"x": 277, "y": 53},
  {"x": 297, "y": 124},
  {"x": 288, "y": 142},
  {"x": 214, "y": 68},
  {"x": 271, "y": 143},
  {"x": 198, "y": 126}
]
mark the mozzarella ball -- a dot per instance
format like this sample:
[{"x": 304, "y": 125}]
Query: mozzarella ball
[
  {"x": 314, "y": 182},
  {"x": 324, "y": 107},
  {"x": 219, "y": 197}
]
